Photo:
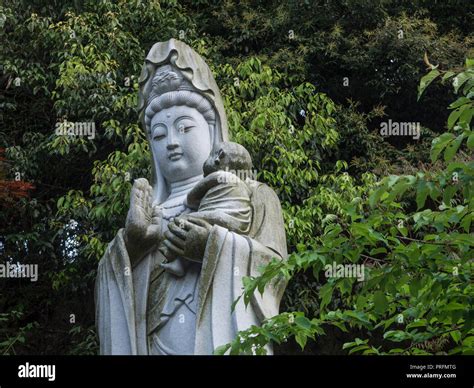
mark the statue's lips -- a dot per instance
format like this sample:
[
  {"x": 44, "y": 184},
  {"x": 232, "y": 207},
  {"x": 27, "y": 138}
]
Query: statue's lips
[{"x": 175, "y": 156}]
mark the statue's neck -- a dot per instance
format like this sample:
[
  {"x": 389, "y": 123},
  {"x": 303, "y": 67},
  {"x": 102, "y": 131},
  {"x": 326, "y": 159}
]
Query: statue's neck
[{"x": 180, "y": 188}]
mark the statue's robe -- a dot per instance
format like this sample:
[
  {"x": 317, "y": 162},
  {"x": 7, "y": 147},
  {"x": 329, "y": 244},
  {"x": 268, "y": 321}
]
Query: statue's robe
[{"x": 123, "y": 302}]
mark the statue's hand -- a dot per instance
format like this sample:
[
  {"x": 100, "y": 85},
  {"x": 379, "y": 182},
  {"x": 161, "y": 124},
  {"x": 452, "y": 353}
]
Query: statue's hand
[
  {"x": 167, "y": 253},
  {"x": 187, "y": 237},
  {"x": 140, "y": 232}
]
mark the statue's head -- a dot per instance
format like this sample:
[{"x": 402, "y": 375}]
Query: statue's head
[
  {"x": 181, "y": 111},
  {"x": 228, "y": 156},
  {"x": 180, "y": 124}
]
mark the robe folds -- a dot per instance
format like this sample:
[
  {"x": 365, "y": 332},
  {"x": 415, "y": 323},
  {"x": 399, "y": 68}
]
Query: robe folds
[{"x": 122, "y": 293}]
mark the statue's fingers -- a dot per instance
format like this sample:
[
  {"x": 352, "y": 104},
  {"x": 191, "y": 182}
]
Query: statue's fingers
[
  {"x": 133, "y": 202},
  {"x": 178, "y": 241},
  {"x": 173, "y": 247},
  {"x": 188, "y": 225},
  {"x": 141, "y": 188},
  {"x": 141, "y": 183},
  {"x": 178, "y": 220},
  {"x": 198, "y": 221},
  {"x": 177, "y": 231},
  {"x": 136, "y": 185},
  {"x": 149, "y": 191},
  {"x": 135, "y": 192},
  {"x": 137, "y": 199},
  {"x": 153, "y": 231},
  {"x": 147, "y": 202},
  {"x": 182, "y": 222},
  {"x": 165, "y": 252},
  {"x": 162, "y": 248},
  {"x": 156, "y": 212},
  {"x": 143, "y": 199}
]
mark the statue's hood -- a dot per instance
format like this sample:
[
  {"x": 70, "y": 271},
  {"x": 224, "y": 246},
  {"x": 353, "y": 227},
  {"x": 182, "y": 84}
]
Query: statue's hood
[{"x": 193, "y": 68}]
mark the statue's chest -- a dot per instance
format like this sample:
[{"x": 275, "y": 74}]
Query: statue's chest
[
  {"x": 172, "y": 212},
  {"x": 165, "y": 289},
  {"x": 171, "y": 209}
]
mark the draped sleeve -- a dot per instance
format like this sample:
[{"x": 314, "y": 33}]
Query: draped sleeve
[
  {"x": 121, "y": 295},
  {"x": 228, "y": 258}
]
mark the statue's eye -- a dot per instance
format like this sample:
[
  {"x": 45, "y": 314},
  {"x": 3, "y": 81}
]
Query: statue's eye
[
  {"x": 159, "y": 137},
  {"x": 185, "y": 126},
  {"x": 159, "y": 133}
]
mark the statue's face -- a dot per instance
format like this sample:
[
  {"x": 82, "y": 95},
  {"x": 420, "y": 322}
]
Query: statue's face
[{"x": 180, "y": 142}]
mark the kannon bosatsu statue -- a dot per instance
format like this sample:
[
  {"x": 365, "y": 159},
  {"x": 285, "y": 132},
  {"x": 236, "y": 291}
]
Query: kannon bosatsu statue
[{"x": 167, "y": 281}]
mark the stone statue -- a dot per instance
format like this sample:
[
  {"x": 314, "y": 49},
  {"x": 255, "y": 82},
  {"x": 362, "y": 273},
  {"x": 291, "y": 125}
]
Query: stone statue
[{"x": 167, "y": 281}]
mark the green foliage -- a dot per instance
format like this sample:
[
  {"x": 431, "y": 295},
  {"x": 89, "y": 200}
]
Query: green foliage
[
  {"x": 311, "y": 138},
  {"x": 288, "y": 132},
  {"x": 14, "y": 338},
  {"x": 62, "y": 62},
  {"x": 276, "y": 329},
  {"x": 376, "y": 46},
  {"x": 412, "y": 237}
]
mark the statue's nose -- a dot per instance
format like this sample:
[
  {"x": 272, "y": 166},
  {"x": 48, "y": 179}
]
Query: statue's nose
[{"x": 172, "y": 141}]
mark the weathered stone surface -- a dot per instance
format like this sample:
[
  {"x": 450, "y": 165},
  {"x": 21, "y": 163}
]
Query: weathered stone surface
[{"x": 168, "y": 279}]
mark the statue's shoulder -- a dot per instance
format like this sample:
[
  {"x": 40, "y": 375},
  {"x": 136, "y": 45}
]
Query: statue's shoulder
[
  {"x": 267, "y": 213},
  {"x": 217, "y": 178},
  {"x": 262, "y": 193}
]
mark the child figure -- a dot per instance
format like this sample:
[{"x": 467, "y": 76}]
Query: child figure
[{"x": 221, "y": 197}]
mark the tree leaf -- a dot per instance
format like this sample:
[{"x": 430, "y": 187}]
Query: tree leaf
[
  {"x": 380, "y": 302},
  {"x": 439, "y": 144},
  {"x": 470, "y": 141},
  {"x": 426, "y": 80},
  {"x": 452, "y": 148}
]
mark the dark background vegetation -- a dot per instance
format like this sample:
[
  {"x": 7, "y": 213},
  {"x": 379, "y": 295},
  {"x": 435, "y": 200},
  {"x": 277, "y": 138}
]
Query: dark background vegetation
[{"x": 80, "y": 61}]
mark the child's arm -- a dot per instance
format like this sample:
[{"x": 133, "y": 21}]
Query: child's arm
[
  {"x": 221, "y": 218},
  {"x": 204, "y": 185}
]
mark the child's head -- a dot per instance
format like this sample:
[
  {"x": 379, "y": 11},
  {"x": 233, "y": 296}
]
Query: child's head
[{"x": 228, "y": 156}]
